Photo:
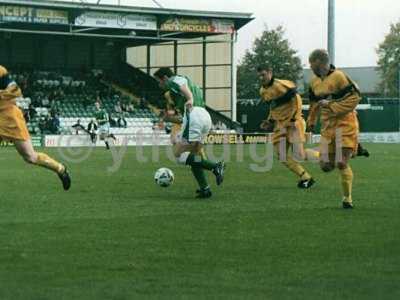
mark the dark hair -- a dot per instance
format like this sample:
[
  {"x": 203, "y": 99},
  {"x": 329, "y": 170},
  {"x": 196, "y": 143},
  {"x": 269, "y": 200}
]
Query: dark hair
[
  {"x": 319, "y": 54},
  {"x": 265, "y": 67},
  {"x": 165, "y": 71}
]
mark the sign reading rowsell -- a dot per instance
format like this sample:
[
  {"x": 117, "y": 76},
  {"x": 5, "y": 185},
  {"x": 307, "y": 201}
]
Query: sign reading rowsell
[
  {"x": 26, "y": 14},
  {"x": 114, "y": 20},
  {"x": 198, "y": 25}
]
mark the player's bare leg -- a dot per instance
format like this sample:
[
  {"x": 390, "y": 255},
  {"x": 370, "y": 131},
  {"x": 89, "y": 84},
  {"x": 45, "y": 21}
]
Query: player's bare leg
[{"x": 25, "y": 149}]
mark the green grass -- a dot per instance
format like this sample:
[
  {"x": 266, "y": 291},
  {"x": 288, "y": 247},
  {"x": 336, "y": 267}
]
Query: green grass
[{"x": 119, "y": 236}]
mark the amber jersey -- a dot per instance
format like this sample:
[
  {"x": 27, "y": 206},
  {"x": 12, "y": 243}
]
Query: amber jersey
[{"x": 285, "y": 102}]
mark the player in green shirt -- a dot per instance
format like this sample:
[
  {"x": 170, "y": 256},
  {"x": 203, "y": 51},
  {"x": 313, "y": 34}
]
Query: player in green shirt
[
  {"x": 187, "y": 99},
  {"x": 102, "y": 119}
]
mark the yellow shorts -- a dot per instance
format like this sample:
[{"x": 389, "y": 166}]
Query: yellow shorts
[
  {"x": 294, "y": 133},
  {"x": 343, "y": 135},
  {"x": 12, "y": 124}
]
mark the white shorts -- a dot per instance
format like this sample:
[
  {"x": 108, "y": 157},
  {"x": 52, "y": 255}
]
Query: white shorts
[
  {"x": 198, "y": 127},
  {"x": 104, "y": 129}
]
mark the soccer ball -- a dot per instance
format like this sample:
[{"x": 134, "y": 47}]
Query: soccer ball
[{"x": 164, "y": 177}]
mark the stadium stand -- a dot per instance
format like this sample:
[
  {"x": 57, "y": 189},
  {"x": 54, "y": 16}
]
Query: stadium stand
[{"x": 53, "y": 102}]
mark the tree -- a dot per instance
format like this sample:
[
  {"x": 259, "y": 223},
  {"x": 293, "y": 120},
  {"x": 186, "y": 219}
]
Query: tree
[
  {"x": 389, "y": 62},
  {"x": 273, "y": 49}
]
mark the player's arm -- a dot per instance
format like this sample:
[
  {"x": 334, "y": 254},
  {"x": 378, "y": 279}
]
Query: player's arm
[
  {"x": 344, "y": 106},
  {"x": 313, "y": 111},
  {"x": 348, "y": 100},
  {"x": 268, "y": 124},
  {"x": 170, "y": 114},
  {"x": 188, "y": 96}
]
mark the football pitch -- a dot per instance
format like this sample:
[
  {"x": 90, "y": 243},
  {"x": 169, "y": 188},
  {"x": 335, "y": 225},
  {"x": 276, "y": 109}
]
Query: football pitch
[{"x": 117, "y": 235}]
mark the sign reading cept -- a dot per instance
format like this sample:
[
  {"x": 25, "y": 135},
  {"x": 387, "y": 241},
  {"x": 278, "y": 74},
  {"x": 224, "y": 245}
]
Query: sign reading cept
[{"x": 26, "y": 14}]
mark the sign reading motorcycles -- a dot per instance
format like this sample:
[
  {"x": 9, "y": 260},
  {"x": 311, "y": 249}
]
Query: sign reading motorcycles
[
  {"x": 113, "y": 20},
  {"x": 26, "y": 14},
  {"x": 198, "y": 25}
]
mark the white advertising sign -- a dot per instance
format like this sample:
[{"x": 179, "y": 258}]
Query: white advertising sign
[{"x": 114, "y": 20}]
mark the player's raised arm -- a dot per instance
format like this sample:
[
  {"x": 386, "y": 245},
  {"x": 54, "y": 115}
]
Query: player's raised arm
[{"x": 313, "y": 112}]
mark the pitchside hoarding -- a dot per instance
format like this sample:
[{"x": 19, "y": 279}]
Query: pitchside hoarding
[
  {"x": 121, "y": 140},
  {"x": 212, "y": 139},
  {"x": 151, "y": 139},
  {"x": 26, "y": 14}
]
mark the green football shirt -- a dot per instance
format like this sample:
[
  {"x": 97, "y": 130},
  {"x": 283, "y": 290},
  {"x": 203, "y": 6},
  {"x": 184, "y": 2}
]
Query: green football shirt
[
  {"x": 173, "y": 85},
  {"x": 101, "y": 116}
]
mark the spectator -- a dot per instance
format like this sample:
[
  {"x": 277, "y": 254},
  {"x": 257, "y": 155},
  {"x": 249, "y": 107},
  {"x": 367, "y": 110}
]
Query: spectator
[
  {"x": 123, "y": 107},
  {"x": 121, "y": 121},
  {"x": 45, "y": 101},
  {"x": 130, "y": 107},
  {"x": 118, "y": 108},
  {"x": 59, "y": 94},
  {"x": 78, "y": 126},
  {"x": 92, "y": 130},
  {"x": 112, "y": 121},
  {"x": 43, "y": 125},
  {"x": 54, "y": 124},
  {"x": 26, "y": 115},
  {"x": 220, "y": 126},
  {"x": 92, "y": 126},
  {"x": 31, "y": 111}
]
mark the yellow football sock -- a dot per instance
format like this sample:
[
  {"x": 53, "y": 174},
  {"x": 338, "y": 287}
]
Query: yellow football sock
[
  {"x": 312, "y": 155},
  {"x": 47, "y": 162},
  {"x": 347, "y": 183},
  {"x": 296, "y": 168}
]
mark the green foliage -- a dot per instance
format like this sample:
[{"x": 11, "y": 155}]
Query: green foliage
[
  {"x": 389, "y": 62},
  {"x": 273, "y": 49}
]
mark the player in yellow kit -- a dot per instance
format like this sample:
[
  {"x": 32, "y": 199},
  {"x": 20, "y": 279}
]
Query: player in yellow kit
[
  {"x": 13, "y": 128},
  {"x": 334, "y": 96},
  {"x": 288, "y": 124}
]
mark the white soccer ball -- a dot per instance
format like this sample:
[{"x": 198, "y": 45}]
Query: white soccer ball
[{"x": 164, "y": 177}]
